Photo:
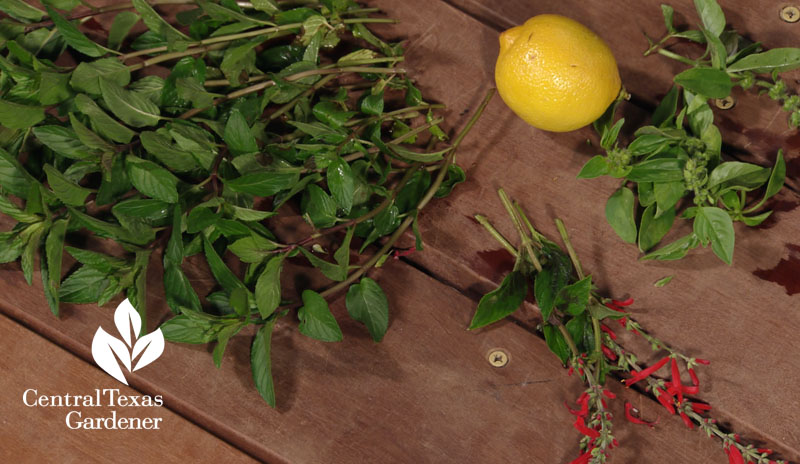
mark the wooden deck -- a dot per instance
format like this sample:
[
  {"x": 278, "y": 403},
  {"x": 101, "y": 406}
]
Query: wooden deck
[{"x": 427, "y": 394}]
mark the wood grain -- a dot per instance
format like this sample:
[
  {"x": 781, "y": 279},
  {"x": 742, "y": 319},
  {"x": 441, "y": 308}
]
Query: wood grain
[
  {"x": 756, "y": 127},
  {"x": 705, "y": 307},
  {"x": 40, "y": 434}
]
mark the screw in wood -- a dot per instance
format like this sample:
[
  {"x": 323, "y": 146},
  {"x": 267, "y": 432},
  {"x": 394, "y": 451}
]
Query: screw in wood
[
  {"x": 497, "y": 357},
  {"x": 790, "y": 14},
  {"x": 725, "y": 103}
]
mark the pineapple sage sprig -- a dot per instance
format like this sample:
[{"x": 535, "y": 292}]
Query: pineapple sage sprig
[
  {"x": 673, "y": 168},
  {"x": 279, "y": 104},
  {"x": 577, "y": 327}
]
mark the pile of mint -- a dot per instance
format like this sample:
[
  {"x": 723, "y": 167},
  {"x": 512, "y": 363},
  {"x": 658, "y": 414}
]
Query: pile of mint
[{"x": 189, "y": 136}]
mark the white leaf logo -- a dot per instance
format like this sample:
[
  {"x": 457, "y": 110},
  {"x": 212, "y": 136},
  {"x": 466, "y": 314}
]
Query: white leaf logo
[{"x": 107, "y": 349}]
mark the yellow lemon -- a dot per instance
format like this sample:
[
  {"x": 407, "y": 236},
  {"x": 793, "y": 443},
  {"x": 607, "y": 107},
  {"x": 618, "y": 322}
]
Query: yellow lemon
[{"x": 555, "y": 73}]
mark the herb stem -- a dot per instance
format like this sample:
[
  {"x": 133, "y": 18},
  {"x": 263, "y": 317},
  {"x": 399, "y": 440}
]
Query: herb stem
[
  {"x": 677, "y": 57},
  {"x": 562, "y": 230},
  {"x": 482, "y": 220}
]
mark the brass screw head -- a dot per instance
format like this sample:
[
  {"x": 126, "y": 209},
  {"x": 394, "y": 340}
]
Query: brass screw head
[
  {"x": 790, "y": 14},
  {"x": 497, "y": 358},
  {"x": 725, "y": 103}
]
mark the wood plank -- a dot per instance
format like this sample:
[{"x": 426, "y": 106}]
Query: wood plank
[
  {"x": 40, "y": 433},
  {"x": 757, "y": 126},
  {"x": 424, "y": 394},
  {"x": 707, "y": 305}
]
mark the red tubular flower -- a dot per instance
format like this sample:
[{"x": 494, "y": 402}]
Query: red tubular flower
[
  {"x": 645, "y": 373},
  {"x": 734, "y": 455},
  {"x": 583, "y": 402},
  {"x": 704, "y": 362},
  {"x": 666, "y": 400},
  {"x": 700, "y": 408},
  {"x": 583, "y": 458},
  {"x": 636, "y": 420},
  {"x": 676, "y": 380},
  {"x": 693, "y": 375},
  {"x": 580, "y": 425},
  {"x": 608, "y": 330},
  {"x": 690, "y": 390},
  {"x": 609, "y": 394},
  {"x": 764, "y": 450},
  {"x": 688, "y": 421},
  {"x": 609, "y": 354},
  {"x": 627, "y": 302}
]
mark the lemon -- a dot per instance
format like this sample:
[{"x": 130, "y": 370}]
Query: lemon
[{"x": 555, "y": 73}]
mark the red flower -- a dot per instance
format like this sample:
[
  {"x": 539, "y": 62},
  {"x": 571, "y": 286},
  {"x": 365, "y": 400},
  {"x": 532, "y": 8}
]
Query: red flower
[
  {"x": 686, "y": 420},
  {"x": 676, "y": 380},
  {"x": 399, "y": 253},
  {"x": 583, "y": 402},
  {"x": 734, "y": 455},
  {"x": 580, "y": 425},
  {"x": 666, "y": 400},
  {"x": 608, "y": 330},
  {"x": 700, "y": 408},
  {"x": 693, "y": 375},
  {"x": 583, "y": 458},
  {"x": 645, "y": 373},
  {"x": 609, "y": 354},
  {"x": 705, "y": 362},
  {"x": 609, "y": 394},
  {"x": 627, "y": 302},
  {"x": 634, "y": 419}
]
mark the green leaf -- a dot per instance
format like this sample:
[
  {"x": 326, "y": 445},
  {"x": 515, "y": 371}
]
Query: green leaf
[
  {"x": 99, "y": 261},
  {"x": 268, "y": 287},
  {"x": 18, "y": 116},
  {"x": 714, "y": 225},
  {"x": 331, "y": 114},
  {"x": 240, "y": 60},
  {"x": 341, "y": 183},
  {"x": 238, "y": 300},
  {"x": 263, "y": 183},
  {"x": 221, "y": 271},
  {"x": 10, "y": 209},
  {"x": 190, "y": 89},
  {"x": 575, "y": 296},
  {"x": 120, "y": 27},
  {"x": 752, "y": 221},
  {"x": 455, "y": 176},
  {"x": 319, "y": 206},
  {"x": 54, "y": 250},
  {"x": 667, "y": 195},
  {"x": 710, "y": 82},
  {"x": 177, "y": 288},
  {"x": 261, "y": 363},
  {"x": 13, "y": 177},
  {"x": 620, "y": 214},
  {"x": 652, "y": 228},
  {"x": 253, "y": 248},
  {"x": 162, "y": 149},
  {"x": 221, "y": 13},
  {"x": 85, "y": 285},
  {"x": 130, "y": 107},
  {"x": 267, "y": 6},
  {"x": 54, "y": 88},
  {"x": 367, "y": 303},
  {"x": 68, "y": 192},
  {"x": 89, "y": 138},
  {"x": 250, "y": 215},
  {"x": 144, "y": 208},
  {"x": 712, "y": 16},
  {"x": 62, "y": 140},
  {"x": 601, "y": 312},
  {"x": 200, "y": 218},
  {"x": 112, "y": 231},
  {"x": 21, "y": 10},
  {"x": 556, "y": 342},
  {"x": 412, "y": 155},
  {"x": 74, "y": 37},
  {"x": 668, "y": 13},
  {"x": 101, "y": 122},
  {"x": 152, "y": 180},
  {"x": 372, "y": 104},
  {"x": 183, "y": 329},
  {"x": 663, "y": 281},
  {"x": 549, "y": 282},
  {"x": 657, "y": 170},
  {"x": 502, "y": 301},
  {"x": 738, "y": 174},
  {"x": 316, "y": 320},
  {"x": 777, "y": 177},
  {"x": 719, "y": 54},
  {"x": 595, "y": 167},
  {"x": 335, "y": 272},
  {"x": 222, "y": 341},
  {"x": 86, "y": 77},
  {"x": 777, "y": 59},
  {"x": 666, "y": 109},
  {"x": 238, "y": 136},
  {"x": 177, "y": 40},
  {"x": 610, "y": 136},
  {"x": 34, "y": 234},
  {"x": 10, "y": 248}
]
